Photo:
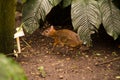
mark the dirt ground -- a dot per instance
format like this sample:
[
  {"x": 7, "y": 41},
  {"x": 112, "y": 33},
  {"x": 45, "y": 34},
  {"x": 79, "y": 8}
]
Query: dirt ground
[{"x": 100, "y": 62}]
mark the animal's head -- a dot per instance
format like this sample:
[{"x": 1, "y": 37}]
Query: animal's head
[{"x": 49, "y": 31}]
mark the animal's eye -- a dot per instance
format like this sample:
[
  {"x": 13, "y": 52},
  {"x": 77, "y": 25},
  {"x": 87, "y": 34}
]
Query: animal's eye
[{"x": 46, "y": 31}]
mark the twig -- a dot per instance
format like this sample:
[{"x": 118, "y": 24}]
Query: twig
[
  {"x": 115, "y": 59},
  {"x": 10, "y": 54},
  {"x": 26, "y": 43}
]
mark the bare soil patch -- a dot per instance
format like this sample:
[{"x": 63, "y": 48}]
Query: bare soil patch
[{"x": 101, "y": 62}]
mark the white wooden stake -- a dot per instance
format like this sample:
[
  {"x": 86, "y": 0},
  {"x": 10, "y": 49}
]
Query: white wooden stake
[
  {"x": 17, "y": 35},
  {"x": 18, "y": 44}
]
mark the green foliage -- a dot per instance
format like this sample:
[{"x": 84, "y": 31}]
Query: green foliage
[
  {"x": 110, "y": 18},
  {"x": 33, "y": 11},
  {"x": 23, "y": 1},
  {"x": 86, "y": 18},
  {"x": 10, "y": 70},
  {"x": 86, "y": 15},
  {"x": 66, "y": 3},
  {"x": 54, "y": 2}
]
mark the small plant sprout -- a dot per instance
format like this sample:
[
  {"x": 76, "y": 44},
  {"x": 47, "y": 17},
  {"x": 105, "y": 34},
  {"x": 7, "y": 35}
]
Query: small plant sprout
[{"x": 42, "y": 71}]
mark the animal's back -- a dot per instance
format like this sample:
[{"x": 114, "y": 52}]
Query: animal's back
[{"x": 69, "y": 37}]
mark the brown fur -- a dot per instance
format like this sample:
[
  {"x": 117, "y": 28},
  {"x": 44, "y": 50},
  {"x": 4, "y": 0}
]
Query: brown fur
[{"x": 63, "y": 37}]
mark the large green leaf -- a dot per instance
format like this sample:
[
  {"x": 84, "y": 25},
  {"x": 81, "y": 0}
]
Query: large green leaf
[
  {"x": 33, "y": 11},
  {"x": 23, "y": 1},
  {"x": 86, "y": 18},
  {"x": 55, "y": 2},
  {"x": 66, "y": 3},
  {"x": 10, "y": 70},
  {"x": 110, "y": 18}
]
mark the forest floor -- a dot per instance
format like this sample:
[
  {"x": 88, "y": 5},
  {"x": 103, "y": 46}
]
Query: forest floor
[{"x": 100, "y": 62}]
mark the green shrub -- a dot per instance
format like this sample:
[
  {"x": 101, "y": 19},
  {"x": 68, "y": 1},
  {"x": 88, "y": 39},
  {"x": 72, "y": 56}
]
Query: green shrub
[{"x": 10, "y": 70}]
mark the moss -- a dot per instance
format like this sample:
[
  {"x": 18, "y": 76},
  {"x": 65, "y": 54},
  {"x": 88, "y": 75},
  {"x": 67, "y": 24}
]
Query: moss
[{"x": 7, "y": 22}]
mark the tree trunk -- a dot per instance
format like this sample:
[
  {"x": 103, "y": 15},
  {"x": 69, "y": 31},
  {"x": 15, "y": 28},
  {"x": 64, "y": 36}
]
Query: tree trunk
[{"x": 7, "y": 22}]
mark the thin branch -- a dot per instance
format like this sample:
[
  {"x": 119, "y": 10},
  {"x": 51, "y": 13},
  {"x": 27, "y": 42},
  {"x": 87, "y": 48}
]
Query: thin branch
[{"x": 115, "y": 59}]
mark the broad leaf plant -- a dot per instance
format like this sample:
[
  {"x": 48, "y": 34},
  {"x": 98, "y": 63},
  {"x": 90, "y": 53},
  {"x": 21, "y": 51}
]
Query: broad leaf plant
[{"x": 86, "y": 16}]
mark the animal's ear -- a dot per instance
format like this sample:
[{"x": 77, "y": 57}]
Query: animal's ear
[{"x": 52, "y": 27}]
